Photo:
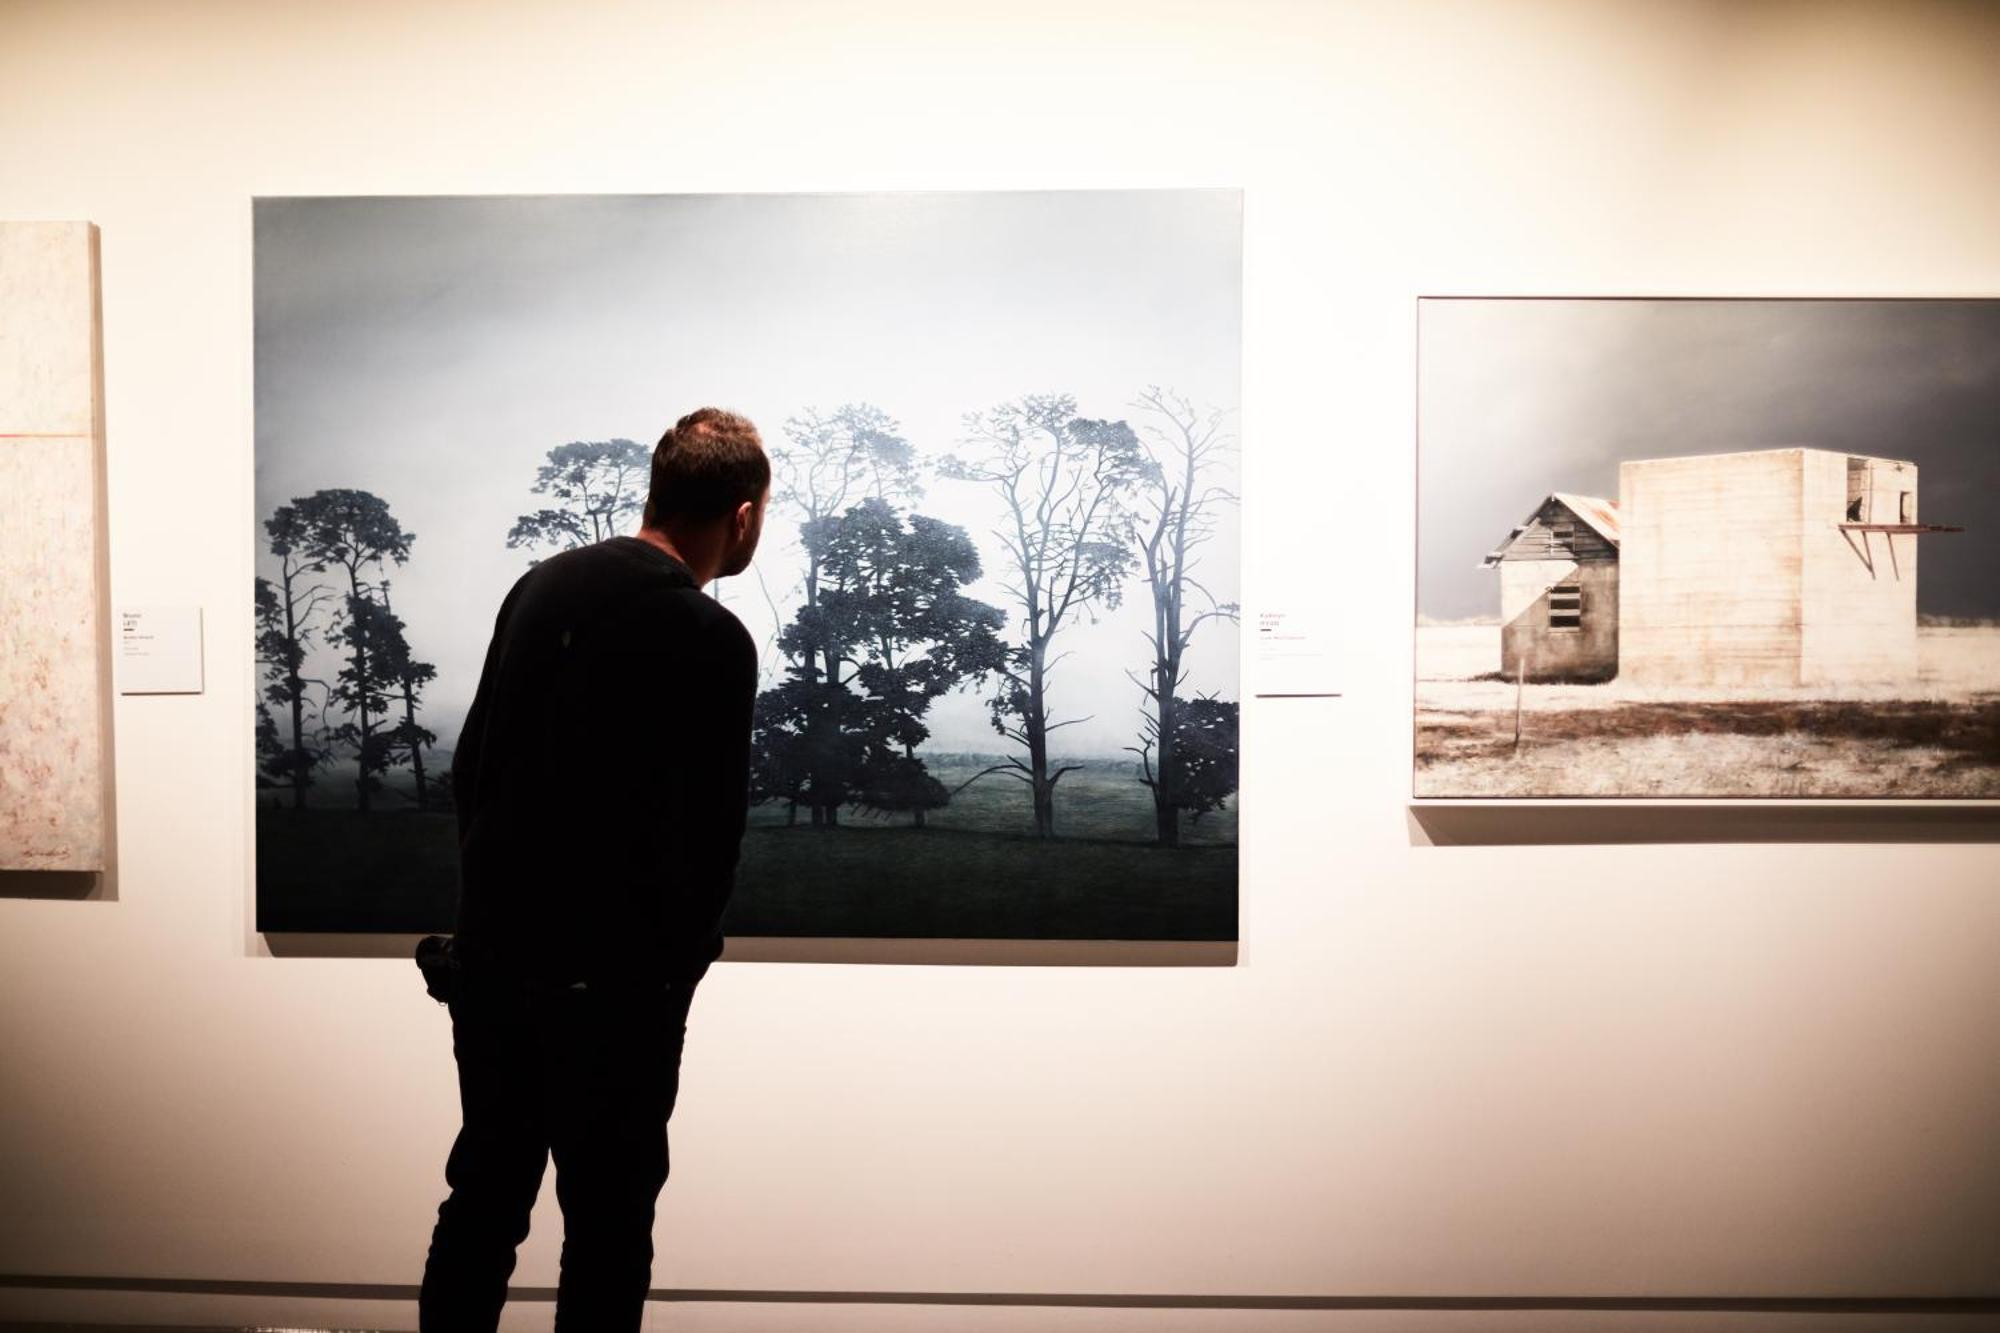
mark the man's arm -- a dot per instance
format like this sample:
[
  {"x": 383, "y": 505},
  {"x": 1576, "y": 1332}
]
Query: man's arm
[{"x": 718, "y": 790}]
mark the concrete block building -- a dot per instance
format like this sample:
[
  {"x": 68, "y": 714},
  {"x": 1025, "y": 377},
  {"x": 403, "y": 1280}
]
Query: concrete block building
[{"x": 1781, "y": 567}]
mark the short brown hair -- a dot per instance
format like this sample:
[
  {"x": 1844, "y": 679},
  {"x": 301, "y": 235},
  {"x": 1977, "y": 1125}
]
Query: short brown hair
[{"x": 708, "y": 462}]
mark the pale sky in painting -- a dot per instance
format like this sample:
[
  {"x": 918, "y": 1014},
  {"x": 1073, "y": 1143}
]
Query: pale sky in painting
[{"x": 433, "y": 350}]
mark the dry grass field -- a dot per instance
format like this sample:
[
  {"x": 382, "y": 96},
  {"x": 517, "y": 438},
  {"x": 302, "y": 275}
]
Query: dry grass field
[{"x": 1937, "y": 736}]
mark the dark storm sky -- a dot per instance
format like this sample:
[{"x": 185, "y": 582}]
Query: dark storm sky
[{"x": 1519, "y": 398}]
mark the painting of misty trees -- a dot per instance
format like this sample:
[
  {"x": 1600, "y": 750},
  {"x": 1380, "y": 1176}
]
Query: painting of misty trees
[{"x": 996, "y": 598}]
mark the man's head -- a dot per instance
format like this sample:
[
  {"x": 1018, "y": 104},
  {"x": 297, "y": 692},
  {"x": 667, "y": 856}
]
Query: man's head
[{"x": 710, "y": 481}]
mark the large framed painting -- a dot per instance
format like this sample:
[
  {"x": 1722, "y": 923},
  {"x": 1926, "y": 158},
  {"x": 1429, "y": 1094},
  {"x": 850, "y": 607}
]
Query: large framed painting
[
  {"x": 996, "y": 596},
  {"x": 1708, "y": 548}
]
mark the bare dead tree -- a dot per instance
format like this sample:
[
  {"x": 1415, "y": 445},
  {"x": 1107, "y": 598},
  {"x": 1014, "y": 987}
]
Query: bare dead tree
[
  {"x": 1178, "y": 507},
  {"x": 1065, "y": 483}
]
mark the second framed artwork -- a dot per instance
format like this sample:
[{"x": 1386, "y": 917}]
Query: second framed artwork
[{"x": 1695, "y": 548}]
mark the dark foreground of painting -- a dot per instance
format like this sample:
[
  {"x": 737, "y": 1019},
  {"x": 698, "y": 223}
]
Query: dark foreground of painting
[{"x": 974, "y": 872}]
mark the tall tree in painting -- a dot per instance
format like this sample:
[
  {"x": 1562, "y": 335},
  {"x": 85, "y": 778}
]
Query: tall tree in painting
[
  {"x": 355, "y": 531},
  {"x": 396, "y": 662},
  {"x": 286, "y": 612},
  {"x": 828, "y": 462},
  {"x": 367, "y": 686},
  {"x": 1065, "y": 484},
  {"x": 598, "y": 486},
  {"x": 1179, "y": 505}
]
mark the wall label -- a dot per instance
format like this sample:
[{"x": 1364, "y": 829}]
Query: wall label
[{"x": 159, "y": 650}]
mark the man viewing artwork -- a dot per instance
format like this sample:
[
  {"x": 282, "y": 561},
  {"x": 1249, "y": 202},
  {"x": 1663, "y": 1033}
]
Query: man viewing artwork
[{"x": 591, "y": 905}]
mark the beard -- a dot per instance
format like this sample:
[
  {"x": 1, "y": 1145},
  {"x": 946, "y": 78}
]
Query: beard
[{"x": 737, "y": 558}]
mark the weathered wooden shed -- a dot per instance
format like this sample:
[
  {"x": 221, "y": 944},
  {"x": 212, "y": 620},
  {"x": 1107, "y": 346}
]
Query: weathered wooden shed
[
  {"x": 1559, "y": 591},
  {"x": 1777, "y": 567}
]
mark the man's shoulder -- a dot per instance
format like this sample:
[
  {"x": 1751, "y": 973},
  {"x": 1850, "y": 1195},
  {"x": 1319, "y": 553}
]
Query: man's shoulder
[
  {"x": 689, "y": 610},
  {"x": 730, "y": 635},
  {"x": 649, "y": 597},
  {"x": 590, "y": 580},
  {"x": 617, "y": 555}
]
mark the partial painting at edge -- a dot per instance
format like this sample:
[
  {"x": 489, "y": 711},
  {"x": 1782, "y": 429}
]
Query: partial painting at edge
[
  {"x": 996, "y": 597},
  {"x": 55, "y": 716},
  {"x": 1715, "y": 548}
]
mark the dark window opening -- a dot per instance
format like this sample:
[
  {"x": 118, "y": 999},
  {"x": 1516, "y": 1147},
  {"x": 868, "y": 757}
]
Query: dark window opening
[
  {"x": 1566, "y": 606},
  {"x": 1904, "y": 508}
]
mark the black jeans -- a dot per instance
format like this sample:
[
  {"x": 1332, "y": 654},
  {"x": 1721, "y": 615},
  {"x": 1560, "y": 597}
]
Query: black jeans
[{"x": 588, "y": 1075}]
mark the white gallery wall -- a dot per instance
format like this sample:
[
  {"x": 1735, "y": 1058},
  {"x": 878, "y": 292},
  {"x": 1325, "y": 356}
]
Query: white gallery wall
[{"x": 1725, "y": 1067}]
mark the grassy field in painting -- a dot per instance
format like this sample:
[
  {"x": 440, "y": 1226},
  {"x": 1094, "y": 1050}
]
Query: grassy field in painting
[
  {"x": 1937, "y": 736},
  {"x": 975, "y": 871}
]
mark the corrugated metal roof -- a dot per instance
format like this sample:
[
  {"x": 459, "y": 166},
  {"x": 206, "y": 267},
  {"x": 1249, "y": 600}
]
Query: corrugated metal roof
[{"x": 1600, "y": 514}]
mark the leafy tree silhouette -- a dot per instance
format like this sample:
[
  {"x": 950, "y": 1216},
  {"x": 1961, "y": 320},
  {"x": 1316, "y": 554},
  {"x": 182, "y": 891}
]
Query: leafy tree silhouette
[
  {"x": 913, "y": 635},
  {"x": 355, "y": 530},
  {"x": 808, "y": 745},
  {"x": 1065, "y": 483},
  {"x": 599, "y": 487},
  {"x": 891, "y": 632},
  {"x": 1179, "y": 506},
  {"x": 1205, "y": 771}
]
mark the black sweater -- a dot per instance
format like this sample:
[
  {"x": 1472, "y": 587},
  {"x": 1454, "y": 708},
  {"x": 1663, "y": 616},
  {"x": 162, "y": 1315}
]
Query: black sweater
[{"x": 603, "y": 774}]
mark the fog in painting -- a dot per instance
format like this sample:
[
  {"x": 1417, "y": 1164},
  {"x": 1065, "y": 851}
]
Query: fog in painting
[{"x": 456, "y": 387}]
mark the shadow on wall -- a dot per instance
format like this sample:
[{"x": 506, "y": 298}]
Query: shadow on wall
[
  {"x": 1513, "y": 824},
  {"x": 779, "y": 949},
  {"x": 76, "y": 885}
]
